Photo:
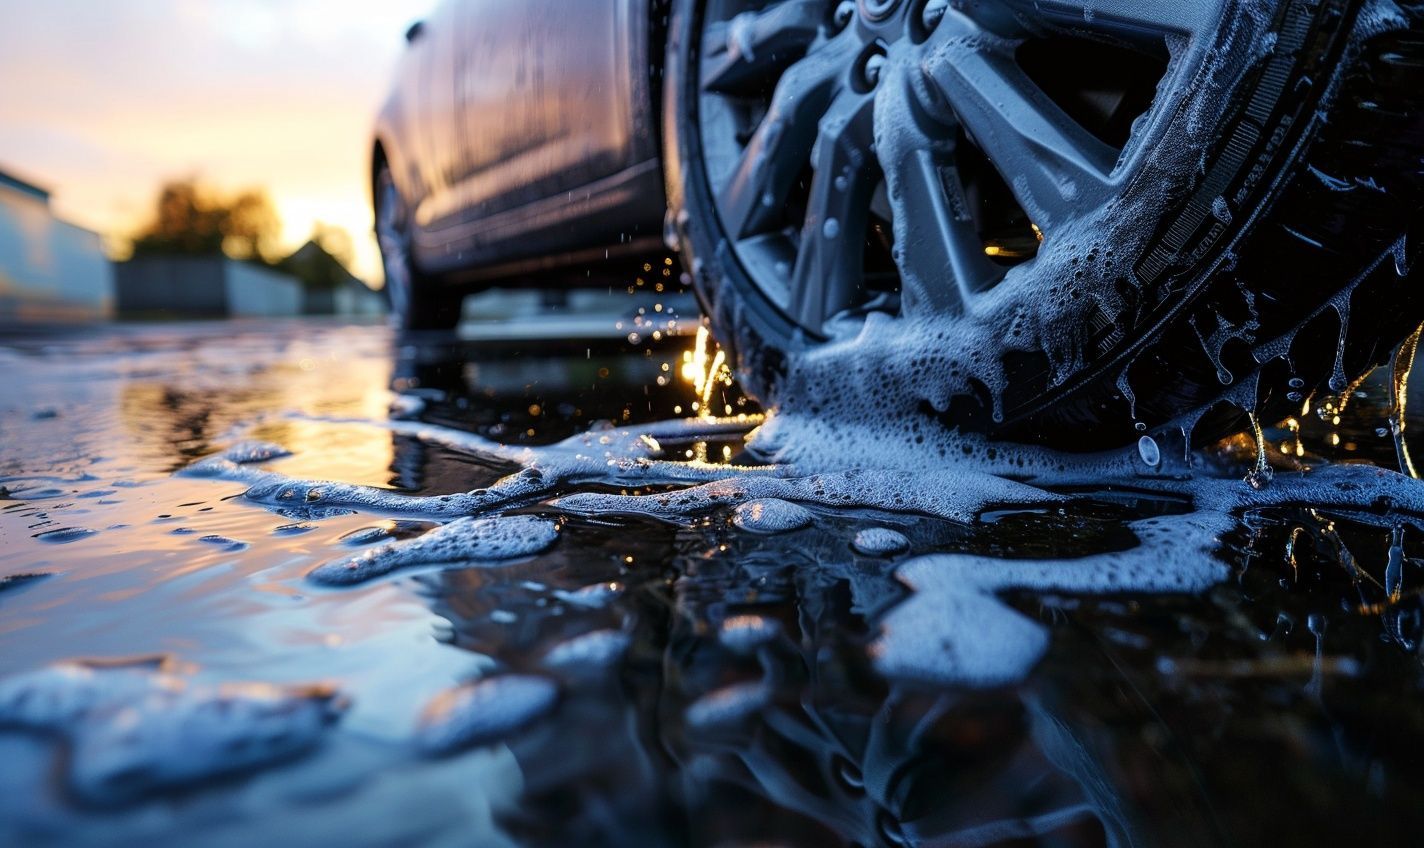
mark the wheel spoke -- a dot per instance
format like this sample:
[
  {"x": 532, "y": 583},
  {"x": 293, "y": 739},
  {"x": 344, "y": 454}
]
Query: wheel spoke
[
  {"x": 940, "y": 238},
  {"x": 760, "y": 44},
  {"x": 1054, "y": 167},
  {"x": 828, "y": 273},
  {"x": 935, "y": 236},
  {"x": 754, "y": 196}
]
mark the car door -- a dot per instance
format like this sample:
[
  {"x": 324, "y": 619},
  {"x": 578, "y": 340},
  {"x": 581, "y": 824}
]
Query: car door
[
  {"x": 543, "y": 92},
  {"x": 428, "y": 90}
]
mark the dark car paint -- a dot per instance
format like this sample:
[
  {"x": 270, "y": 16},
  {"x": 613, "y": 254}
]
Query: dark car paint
[{"x": 526, "y": 131}]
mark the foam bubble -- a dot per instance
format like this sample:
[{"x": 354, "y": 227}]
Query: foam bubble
[
  {"x": 771, "y": 515},
  {"x": 595, "y": 596},
  {"x": 1148, "y": 450},
  {"x": 136, "y": 729},
  {"x": 728, "y": 705},
  {"x": 744, "y": 634},
  {"x": 468, "y": 540},
  {"x": 484, "y": 712},
  {"x": 879, "y": 541},
  {"x": 954, "y": 629},
  {"x": 590, "y": 651}
]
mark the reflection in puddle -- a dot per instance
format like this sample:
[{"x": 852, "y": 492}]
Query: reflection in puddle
[{"x": 641, "y": 634}]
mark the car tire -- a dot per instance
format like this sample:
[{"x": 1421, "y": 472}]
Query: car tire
[
  {"x": 417, "y": 301},
  {"x": 1278, "y": 192}
]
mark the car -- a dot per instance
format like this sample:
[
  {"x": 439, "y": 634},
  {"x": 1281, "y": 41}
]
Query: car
[{"x": 1056, "y": 221}]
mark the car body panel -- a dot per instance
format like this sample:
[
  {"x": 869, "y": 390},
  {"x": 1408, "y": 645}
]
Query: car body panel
[{"x": 522, "y": 130}]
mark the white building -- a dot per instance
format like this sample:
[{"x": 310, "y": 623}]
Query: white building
[{"x": 49, "y": 270}]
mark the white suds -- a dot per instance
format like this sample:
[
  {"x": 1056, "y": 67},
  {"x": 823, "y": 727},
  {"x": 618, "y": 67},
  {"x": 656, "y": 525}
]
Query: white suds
[
  {"x": 771, "y": 515},
  {"x": 484, "y": 712},
  {"x": 954, "y": 629},
  {"x": 134, "y": 729},
  {"x": 728, "y": 705},
  {"x": 594, "y": 651},
  {"x": 464, "y": 540},
  {"x": 879, "y": 541}
]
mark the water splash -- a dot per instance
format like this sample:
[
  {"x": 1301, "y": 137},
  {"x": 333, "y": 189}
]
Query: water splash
[{"x": 1261, "y": 472}]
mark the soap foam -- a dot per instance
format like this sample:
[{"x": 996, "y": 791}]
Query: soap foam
[
  {"x": 464, "y": 540},
  {"x": 957, "y": 495},
  {"x": 588, "y": 652},
  {"x": 134, "y": 729},
  {"x": 879, "y": 541},
  {"x": 771, "y": 515},
  {"x": 484, "y": 712},
  {"x": 954, "y": 629},
  {"x": 745, "y": 634},
  {"x": 727, "y": 706}
]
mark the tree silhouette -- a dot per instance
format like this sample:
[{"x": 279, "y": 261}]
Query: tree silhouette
[{"x": 195, "y": 219}]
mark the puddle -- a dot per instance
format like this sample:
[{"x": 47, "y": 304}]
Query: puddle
[{"x": 471, "y": 597}]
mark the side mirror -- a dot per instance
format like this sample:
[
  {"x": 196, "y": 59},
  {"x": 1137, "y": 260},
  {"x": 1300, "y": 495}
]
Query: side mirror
[{"x": 414, "y": 31}]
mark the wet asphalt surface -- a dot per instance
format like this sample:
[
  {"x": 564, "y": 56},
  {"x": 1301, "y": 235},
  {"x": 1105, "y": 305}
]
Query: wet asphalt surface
[{"x": 1280, "y": 706}]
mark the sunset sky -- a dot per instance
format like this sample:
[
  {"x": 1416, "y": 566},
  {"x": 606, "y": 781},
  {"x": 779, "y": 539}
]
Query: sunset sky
[{"x": 101, "y": 101}]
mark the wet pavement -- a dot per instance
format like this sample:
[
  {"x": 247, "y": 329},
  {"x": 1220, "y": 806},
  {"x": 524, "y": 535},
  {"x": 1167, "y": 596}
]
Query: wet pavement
[{"x": 172, "y": 673}]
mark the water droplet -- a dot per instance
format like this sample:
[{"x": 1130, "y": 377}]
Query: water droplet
[
  {"x": 879, "y": 541},
  {"x": 831, "y": 228},
  {"x": 1148, "y": 450},
  {"x": 1394, "y": 567},
  {"x": 1401, "y": 257}
]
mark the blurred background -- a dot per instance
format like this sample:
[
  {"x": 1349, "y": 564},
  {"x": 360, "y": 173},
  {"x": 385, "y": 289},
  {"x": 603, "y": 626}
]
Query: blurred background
[{"x": 190, "y": 158}]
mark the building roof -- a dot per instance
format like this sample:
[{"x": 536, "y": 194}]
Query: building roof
[
  {"x": 9, "y": 180},
  {"x": 311, "y": 252}
]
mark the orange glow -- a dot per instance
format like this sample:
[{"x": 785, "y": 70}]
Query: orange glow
[{"x": 105, "y": 101}]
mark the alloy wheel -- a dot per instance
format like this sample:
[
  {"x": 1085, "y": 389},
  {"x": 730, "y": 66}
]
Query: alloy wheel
[{"x": 908, "y": 156}]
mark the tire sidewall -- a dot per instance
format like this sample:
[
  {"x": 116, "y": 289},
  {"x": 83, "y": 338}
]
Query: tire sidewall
[{"x": 743, "y": 320}]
